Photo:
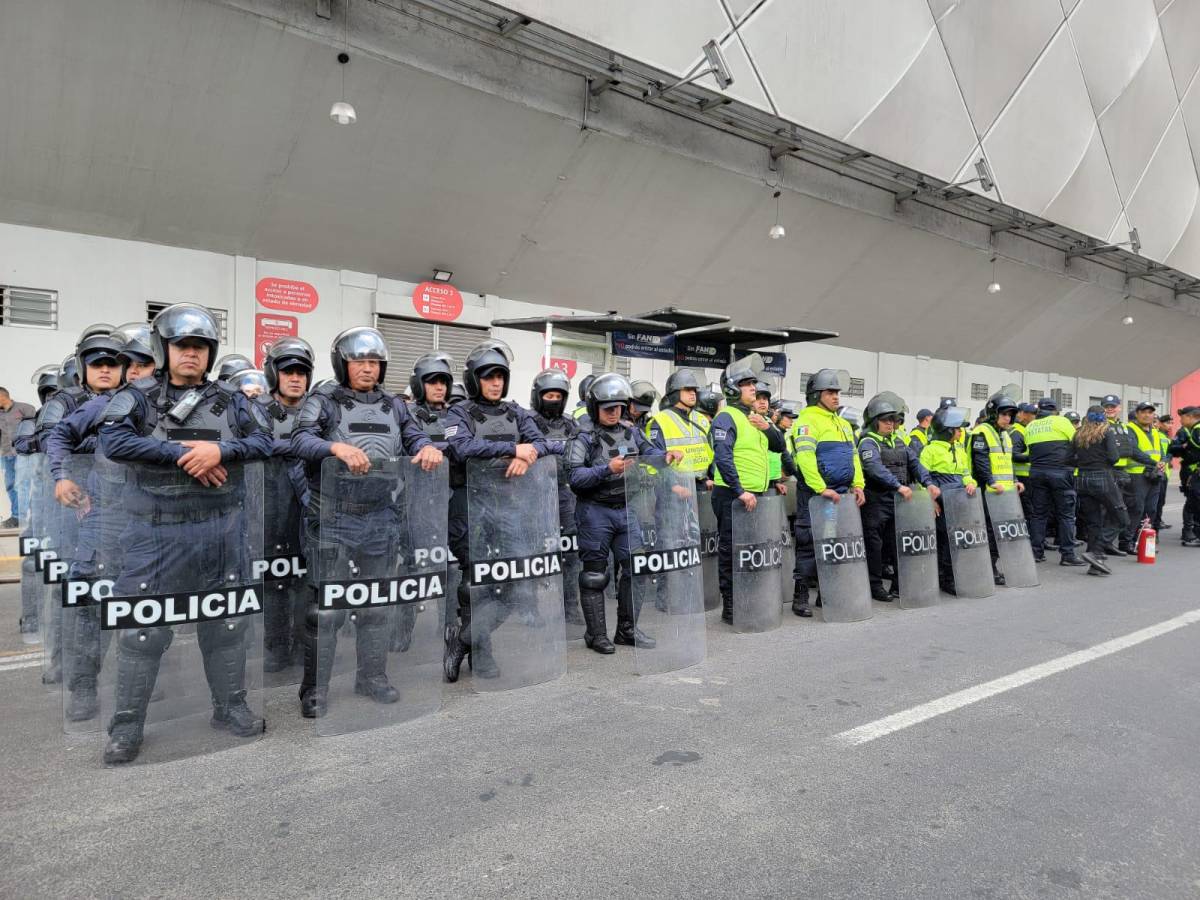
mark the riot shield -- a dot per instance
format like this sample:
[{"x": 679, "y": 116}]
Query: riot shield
[
  {"x": 708, "y": 550},
  {"x": 571, "y": 567},
  {"x": 1012, "y": 539},
  {"x": 32, "y": 470},
  {"x": 664, "y": 560},
  {"x": 787, "y": 546},
  {"x": 916, "y": 550},
  {"x": 518, "y": 635},
  {"x": 284, "y": 571},
  {"x": 969, "y": 554},
  {"x": 182, "y": 675},
  {"x": 757, "y": 565},
  {"x": 51, "y": 525},
  {"x": 841, "y": 556},
  {"x": 381, "y": 565},
  {"x": 790, "y": 498}
]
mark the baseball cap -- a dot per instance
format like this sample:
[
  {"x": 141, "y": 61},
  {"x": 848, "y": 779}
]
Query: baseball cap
[
  {"x": 1188, "y": 411},
  {"x": 1046, "y": 404},
  {"x": 1145, "y": 404},
  {"x": 1026, "y": 408},
  {"x": 1110, "y": 400},
  {"x": 923, "y": 413}
]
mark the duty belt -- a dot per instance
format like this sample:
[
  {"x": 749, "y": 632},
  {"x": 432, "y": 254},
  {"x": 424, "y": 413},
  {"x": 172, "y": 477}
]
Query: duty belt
[{"x": 179, "y": 517}]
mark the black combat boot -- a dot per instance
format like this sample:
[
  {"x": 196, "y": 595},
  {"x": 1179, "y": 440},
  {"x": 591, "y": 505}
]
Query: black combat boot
[
  {"x": 596, "y": 633},
  {"x": 373, "y": 634},
  {"x": 136, "y": 674}
]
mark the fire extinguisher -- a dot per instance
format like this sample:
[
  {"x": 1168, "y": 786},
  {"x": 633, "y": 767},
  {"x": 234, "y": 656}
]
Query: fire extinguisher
[{"x": 1147, "y": 545}]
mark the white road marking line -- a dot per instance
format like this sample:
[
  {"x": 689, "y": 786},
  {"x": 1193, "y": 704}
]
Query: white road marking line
[
  {"x": 917, "y": 714},
  {"x": 28, "y": 664}
]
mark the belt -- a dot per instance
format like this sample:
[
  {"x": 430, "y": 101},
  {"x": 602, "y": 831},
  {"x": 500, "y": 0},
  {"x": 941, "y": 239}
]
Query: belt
[{"x": 178, "y": 517}]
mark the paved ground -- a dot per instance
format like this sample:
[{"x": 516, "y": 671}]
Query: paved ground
[{"x": 723, "y": 780}]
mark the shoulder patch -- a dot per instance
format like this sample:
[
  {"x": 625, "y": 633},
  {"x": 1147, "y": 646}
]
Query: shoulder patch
[
  {"x": 867, "y": 453},
  {"x": 451, "y": 431},
  {"x": 801, "y": 429},
  {"x": 720, "y": 434}
]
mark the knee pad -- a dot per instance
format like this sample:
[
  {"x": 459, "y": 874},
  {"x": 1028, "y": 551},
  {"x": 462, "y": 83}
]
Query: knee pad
[
  {"x": 146, "y": 641},
  {"x": 315, "y": 618},
  {"x": 226, "y": 631},
  {"x": 594, "y": 576}
]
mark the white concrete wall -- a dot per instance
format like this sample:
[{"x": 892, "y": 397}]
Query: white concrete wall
[
  {"x": 105, "y": 279},
  {"x": 1088, "y": 111}
]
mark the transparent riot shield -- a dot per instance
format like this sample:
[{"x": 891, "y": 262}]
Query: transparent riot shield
[
  {"x": 790, "y": 498},
  {"x": 182, "y": 675},
  {"x": 381, "y": 567},
  {"x": 969, "y": 554},
  {"x": 518, "y": 635},
  {"x": 52, "y": 525},
  {"x": 667, "y": 577},
  {"x": 571, "y": 567},
  {"x": 787, "y": 546},
  {"x": 708, "y": 550},
  {"x": 841, "y": 556},
  {"x": 1012, "y": 539},
  {"x": 757, "y": 565},
  {"x": 79, "y": 583},
  {"x": 29, "y": 544},
  {"x": 916, "y": 550},
  {"x": 284, "y": 570}
]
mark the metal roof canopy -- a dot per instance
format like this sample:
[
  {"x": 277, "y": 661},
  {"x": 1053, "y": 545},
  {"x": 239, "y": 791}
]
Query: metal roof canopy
[
  {"x": 797, "y": 335},
  {"x": 735, "y": 335},
  {"x": 605, "y": 324},
  {"x": 684, "y": 318}
]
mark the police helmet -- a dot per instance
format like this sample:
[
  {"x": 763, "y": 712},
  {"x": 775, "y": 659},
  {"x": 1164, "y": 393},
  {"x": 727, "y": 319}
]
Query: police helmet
[
  {"x": 484, "y": 358},
  {"x": 68, "y": 373},
  {"x": 948, "y": 402},
  {"x": 359, "y": 343},
  {"x": 287, "y": 353},
  {"x": 788, "y": 409},
  {"x": 676, "y": 382},
  {"x": 822, "y": 380},
  {"x": 430, "y": 367},
  {"x": 251, "y": 382},
  {"x": 643, "y": 396},
  {"x": 137, "y": 345},
  {"x": 708, "y": 402},
  {"x": 180, "y": 321},
  {"x": 738, "y": 372},
  {"x": 549, "y": 380},
  {"x": 583, "y": 387},
  {"x": 999, "y": 403},
  {"x": 946, "y": 420},
  {"x": 45, "y": 380},
  {"x": 882, "y": 404},
  {"x": 458, "y": 393},
  {"x": 96, "y": 343},
  {"x": 1072, "y": 416},
  {"x": 851, "y": 414},
  {"x": 605, "y": 390}
]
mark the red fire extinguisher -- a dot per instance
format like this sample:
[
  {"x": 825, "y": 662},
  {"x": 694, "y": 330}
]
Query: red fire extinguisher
[{"x": 1147, "y": 545}]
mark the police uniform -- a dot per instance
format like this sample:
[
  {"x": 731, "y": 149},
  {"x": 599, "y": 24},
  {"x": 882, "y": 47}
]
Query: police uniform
[
  {"x": 166, "y": 539},
  {"x": 1050, "y": 439},
  {"x": 992, "y": 465},
  {"x": 741, "y": 464},
  {"x": 1144, "y": 479},
  {"x": 1164, "y": 453},
  {"x": 824, "y": 452},
  {"x": 1186, "y": 447},
  {"x": 888, "y": 463},
  {"x": 949, "y": 467}
]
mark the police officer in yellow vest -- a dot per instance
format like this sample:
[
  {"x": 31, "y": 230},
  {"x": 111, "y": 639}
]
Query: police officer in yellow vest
[
  {"x": 1186, "y": 446},
  {"x": 778, "y": 469},
  {"x": 742, "y": 442},
  {"x": 992, "y": 460},
  {"x": 1051, "y": 442},
  {"x": 918, "y": 438},
  {"x": 1115, "y": 541},
  {"x": 1144, "y": 477},
  {"x": 1162, "y": 428},
  {"x": 824, "y": 453},
  {"x": 678, "y": 426},
  {"x": 949, "y": 467},
  {"x": 1026, "y": 413}
]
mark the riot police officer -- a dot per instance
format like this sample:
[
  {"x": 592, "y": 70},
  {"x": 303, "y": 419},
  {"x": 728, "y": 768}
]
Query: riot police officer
[
  {"x": 1186, "y": 447},
  {"x": 1050, "y": 440},
  {"x": 992, "y": 460},
  {"x": 353, "y": 420},
  {"x": 288, "y": 369},
  {"x": 167, "y": 539},
  {"x": 825, "y": 456},
  {"x": 889, "y": 468},
  {"x": 97, "y": 533},
  {"x": 918, "y": 438},
  {"x": 548, "y": 400},
  {"x": 949, "y": 467},
  {"x": 742, "y": 442},
  {"x": 678, "y": 425},
  {"x": 230, "y": 364},
  {"x": 252, "y": 383},
  {"x": 580, "y": 414},
  {"x": 708, "y": 404},
  {"x": 597, "y": 461},
  {"x": 641, "y": 402},
  {"x": 458, "y": 393},
  {"x": 484, "y": 426},
  {"x": 430, "y": 385}
]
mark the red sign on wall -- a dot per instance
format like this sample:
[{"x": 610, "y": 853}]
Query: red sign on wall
[
  {"x": 569, "y": 366},
  {"x": 289, "y": 296},
  {"x": 438, "y": 301},
  {"x": 268, "y": 329}
]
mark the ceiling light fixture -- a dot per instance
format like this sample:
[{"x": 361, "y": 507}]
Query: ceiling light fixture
[
  {"x": 994, "y": 286},
  {"x": 777, "y": 231},
  {"x": 442, "y": 275}
]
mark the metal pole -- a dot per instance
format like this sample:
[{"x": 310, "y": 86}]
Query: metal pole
[{"x": 549, "y": 345}]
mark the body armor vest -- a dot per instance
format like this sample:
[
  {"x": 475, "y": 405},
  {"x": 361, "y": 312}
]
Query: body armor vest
[
  {"x": 609, "y": 443},
  {"x": 282, "y": 418},
  {"x": 894, "y": 459},
  {"x": 559, "y": 429},
  {"x": 432, "y": 422},
  {"x": 212, "y": 419},
  {"x": 368, "y": 422}
]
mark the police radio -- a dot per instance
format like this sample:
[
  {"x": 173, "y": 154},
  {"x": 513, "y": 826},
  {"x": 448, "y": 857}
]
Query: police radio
[{"x": 185, "y": 406}]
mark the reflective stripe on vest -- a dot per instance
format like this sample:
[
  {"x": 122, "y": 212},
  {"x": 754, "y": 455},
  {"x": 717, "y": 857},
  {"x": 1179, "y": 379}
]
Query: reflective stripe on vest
[
  {"x": 690, "y": 438},
  {"x": 749, "y": 454},
  {"x": 999, "y": 452}
]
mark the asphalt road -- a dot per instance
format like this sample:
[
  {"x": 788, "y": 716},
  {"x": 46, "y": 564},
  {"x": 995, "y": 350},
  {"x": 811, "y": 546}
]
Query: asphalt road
[{"x": 727, "y": 779}]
